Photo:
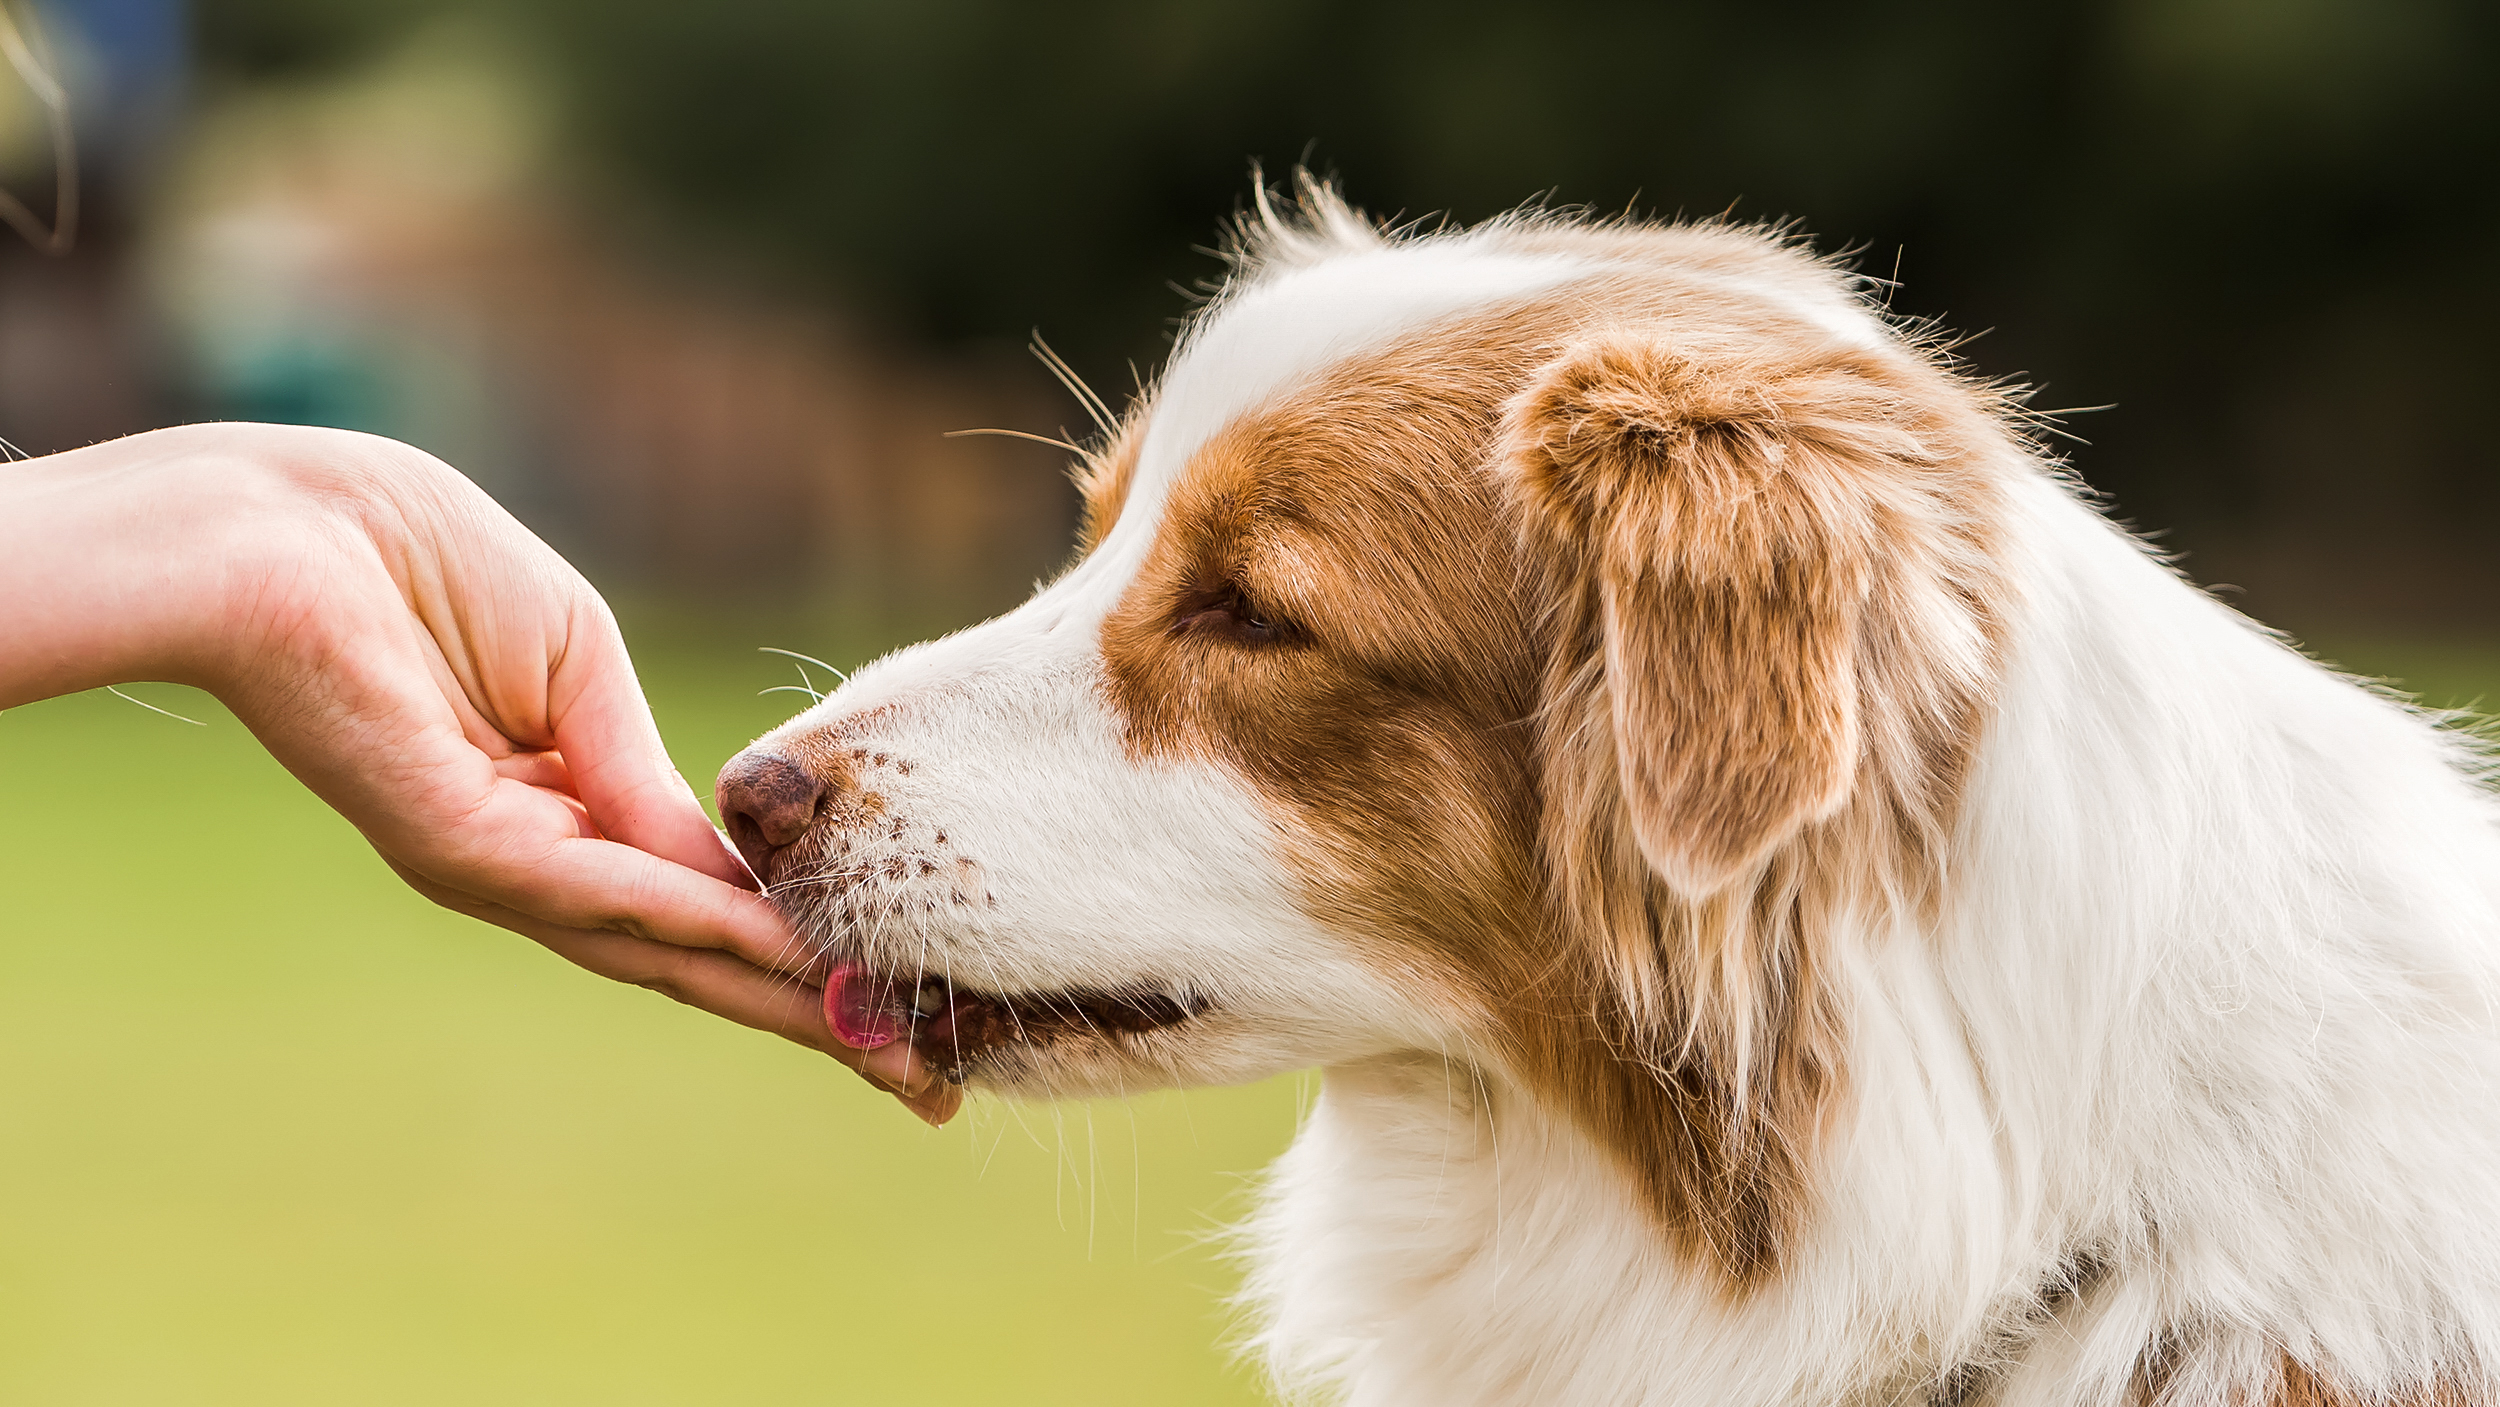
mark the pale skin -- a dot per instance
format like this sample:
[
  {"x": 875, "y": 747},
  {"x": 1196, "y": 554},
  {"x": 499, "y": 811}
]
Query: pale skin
[{"x": 428, "y": 668}]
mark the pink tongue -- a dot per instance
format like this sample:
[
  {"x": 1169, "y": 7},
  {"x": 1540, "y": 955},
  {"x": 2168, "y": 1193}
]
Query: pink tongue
[{"x": 862, "y": 1009}]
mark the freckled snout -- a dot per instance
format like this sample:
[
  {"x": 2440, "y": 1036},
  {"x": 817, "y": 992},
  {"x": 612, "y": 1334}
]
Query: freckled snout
[{"x": 767, "y": 801}]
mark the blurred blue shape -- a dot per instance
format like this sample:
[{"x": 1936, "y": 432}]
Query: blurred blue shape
[
  {"x": 141, "y": 45},
  {"x": 129, "y": 65}
]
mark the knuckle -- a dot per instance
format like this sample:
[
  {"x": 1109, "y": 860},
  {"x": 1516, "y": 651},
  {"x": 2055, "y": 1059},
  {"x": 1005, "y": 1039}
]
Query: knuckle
[
  {"x": 669, "y": 973},
  {"x": 465, "y": 905}
]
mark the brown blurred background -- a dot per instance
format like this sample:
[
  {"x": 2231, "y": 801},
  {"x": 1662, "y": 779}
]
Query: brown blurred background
[{"x": 696, "y": 289}]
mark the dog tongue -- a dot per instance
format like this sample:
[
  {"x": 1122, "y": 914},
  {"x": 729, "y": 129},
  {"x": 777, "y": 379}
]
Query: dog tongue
[{"x": 862, "y": 1009}]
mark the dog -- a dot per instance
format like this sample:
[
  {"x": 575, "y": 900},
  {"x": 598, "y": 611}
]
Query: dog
[{"x": 1791, "y": 903}]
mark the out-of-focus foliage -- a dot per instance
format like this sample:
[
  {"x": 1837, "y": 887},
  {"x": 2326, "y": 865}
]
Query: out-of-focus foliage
[
  {"x": 262, "y": 39},
  {"x": 2257, "y": 226}
]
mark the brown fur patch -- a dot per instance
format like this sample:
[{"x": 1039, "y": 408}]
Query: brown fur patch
[
  {"x": 1606, "y": 654},
  {"x": 1102, "y": 481},
  {"x": 1765, "y": 560},
  {"x": 1385, "y": 710}
]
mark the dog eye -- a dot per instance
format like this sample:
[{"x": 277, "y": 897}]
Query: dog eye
[{"x": 1228, "y": 613}]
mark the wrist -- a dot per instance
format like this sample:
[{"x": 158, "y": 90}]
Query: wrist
[
  {"x": 187, "y": 554},
  {"x": 109, "y": 568}
]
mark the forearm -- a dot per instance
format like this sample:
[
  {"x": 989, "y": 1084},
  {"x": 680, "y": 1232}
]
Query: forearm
[
  {"x": 113, "y": 565},
  {"x": 195, "y": 554}
]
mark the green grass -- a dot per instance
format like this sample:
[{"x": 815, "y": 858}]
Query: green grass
[
  {"x": 276, "y": 1131},
  {"x": 2441, "y": 673}
]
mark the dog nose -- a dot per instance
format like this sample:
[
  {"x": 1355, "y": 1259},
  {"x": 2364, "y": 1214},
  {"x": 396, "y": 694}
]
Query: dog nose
[{"x": 767, "y": 801}]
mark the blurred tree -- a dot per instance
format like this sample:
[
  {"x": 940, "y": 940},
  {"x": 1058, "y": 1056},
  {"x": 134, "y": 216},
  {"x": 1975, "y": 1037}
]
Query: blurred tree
[
  {"x": 2256, "y": 226},
  {"x": 261, "y": 39}
]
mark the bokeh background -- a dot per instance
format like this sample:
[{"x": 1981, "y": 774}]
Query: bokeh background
[{"x": 696, "y": 291}]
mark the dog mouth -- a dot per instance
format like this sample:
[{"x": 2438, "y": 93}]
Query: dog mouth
[{"x": 954, "y": 1027}]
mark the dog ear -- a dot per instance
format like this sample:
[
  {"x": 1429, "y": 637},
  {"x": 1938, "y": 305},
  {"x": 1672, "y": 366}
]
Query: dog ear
[{"x": 1712, "y": 529}]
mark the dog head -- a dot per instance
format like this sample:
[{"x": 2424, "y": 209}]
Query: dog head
[{"x": 1522, "y": 645}]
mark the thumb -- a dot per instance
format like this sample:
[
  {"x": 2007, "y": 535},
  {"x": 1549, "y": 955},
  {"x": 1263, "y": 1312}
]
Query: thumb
[{"x": 621, "y": 770}]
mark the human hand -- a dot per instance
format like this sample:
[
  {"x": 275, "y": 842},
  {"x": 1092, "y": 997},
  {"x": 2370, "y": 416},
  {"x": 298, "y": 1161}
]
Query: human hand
[{"x": 432, "y": 671}]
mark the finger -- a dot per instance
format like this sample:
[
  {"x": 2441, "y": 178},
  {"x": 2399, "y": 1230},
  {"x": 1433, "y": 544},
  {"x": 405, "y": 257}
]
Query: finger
[
  {"x": 724, "y": 986},
  {"x": 573, "y": 810},
  {"x": 621, "y": 771},
  {"x": 935, "y": 1105},
  {"x": 538, "y": 769},
  {"x": 526, "y": 849},
  {"x": 714, "y": 980},
  {"x": 717, "y": 983},
  {"x": 599, "y": 884}
]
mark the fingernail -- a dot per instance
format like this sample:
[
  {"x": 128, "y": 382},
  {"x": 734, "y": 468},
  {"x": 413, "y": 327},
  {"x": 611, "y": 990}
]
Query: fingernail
[
  {"x": 894, "y": 1065},
  {"x": 939, "y": 1106}
]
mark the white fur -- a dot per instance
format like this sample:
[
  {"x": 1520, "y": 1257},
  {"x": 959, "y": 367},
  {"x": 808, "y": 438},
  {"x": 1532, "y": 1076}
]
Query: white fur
[{"x": 2210, "y": 1002}]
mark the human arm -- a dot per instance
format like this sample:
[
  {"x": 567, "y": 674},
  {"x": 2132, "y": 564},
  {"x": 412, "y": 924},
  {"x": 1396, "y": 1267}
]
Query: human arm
[{"x": 428, "y": 668}]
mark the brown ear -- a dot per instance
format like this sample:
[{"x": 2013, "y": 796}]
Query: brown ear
[{"x": 1712, "y": 529}]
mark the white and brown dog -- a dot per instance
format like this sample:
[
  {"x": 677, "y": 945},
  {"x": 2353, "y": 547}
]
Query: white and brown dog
[{"x": 1793, "y": 906}]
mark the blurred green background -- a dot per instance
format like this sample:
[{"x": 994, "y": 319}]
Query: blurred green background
[
  {"x": 279, "y": 1132},
  {"x": 696, "y": 290}
]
